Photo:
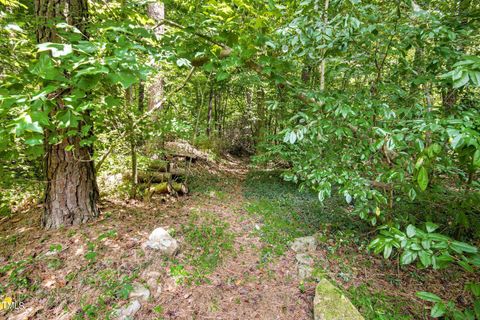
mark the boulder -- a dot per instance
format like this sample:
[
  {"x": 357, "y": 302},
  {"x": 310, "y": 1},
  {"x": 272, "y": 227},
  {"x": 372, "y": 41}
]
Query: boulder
[
  {"x": 160, "y": 240},
  {"x": 304, "y": 258},
  {"x": 305, "y": 265},
  {"x": 304, "y": 244},
  {"x": 304, "y": 271},
  {"x": 139, "y": 292},
  {"x": 128, "y": 311},
  {"x": 331, "y": 304}
]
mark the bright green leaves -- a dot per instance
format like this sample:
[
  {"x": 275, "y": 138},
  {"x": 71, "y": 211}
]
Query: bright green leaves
[
  {"x": 422, "y": 178},
  {"x": 476, "y": 159},
  {"x": 428, "y": 296},
  {"x": 430, "y": 226},
  {"x": 430, "y": 248},
  {"x": 24, "y": 124},
  {"x": 465, "y": 72},
  {"x": 448, "y": 309},
  {"x": 46, "y": 69},
  {"x": 67, "y": 119},
  {"x": 461, "y": 247},
  {"x": 125, "y": 78},
  {"x": 56, "y": 49}
]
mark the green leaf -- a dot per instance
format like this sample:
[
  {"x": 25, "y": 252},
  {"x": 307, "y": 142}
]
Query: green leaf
[
  {"x": 461, "y": 247},
  {"x": 460, "y": 82},
  {"x": 457, "y": 141},
  {"x": 68, "y": 119},
  {"x": 408, "y": 257},
  {"x": 57, "y": 49},
  {"x": 411, "y": 231},
  {"x": 425, "y": 258},
  {"x": 438, "y": 310},
  {"x": 476, "y": 158},
  {"x": 476, "y": 308},
  {"x": 46, "y": 69},
  {"x": 430, "y": 226},
  {"x": 387, "y": 251},
  {"x": 222, "y": 76},
  {"x": 428, "y": 296},
  {"x": 474, "y": 288},
  {"x": 465, "y": 265},
  {"x": 126, "y": 79},
  {"x": 422, "y": 178}
]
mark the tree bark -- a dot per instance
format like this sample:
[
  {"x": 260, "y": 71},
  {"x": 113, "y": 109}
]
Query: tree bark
[
  {"x": 156, "y": 11},
  {"x": 71, "y": 192},
  {"x": 209, "y": 115}
]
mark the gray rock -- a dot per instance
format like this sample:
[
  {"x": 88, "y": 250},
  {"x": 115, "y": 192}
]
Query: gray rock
[
  {"x": 128, "y": 311},
  {"x": 330, "y": 304},
  {"x": 304, "y": 258},
  {"x": 304, "y": 271},
  {"x": 305, "y": 265},
  {"x": 304, "y": 244},
  {"x": 139, "y": 292},
  {"x": 160, "y": 240}
]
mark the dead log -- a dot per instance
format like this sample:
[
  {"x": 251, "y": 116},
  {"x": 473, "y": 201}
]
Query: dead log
[
  {"x": 161, "y": 188},
  {"x": 180, "y": 188},
  {"x": 159, "y": 166},
  {"x": 150, "y": 177}
]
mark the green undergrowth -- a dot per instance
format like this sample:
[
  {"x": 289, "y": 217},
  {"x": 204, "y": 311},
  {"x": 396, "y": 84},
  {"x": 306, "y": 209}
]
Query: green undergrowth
[
  {"x": 113, "y": 286},
  {"x": 458, "y": 212},
  {"x": 210, "y": 184},
  {"x": 208, "y": 240},
  {"x": 286, "y": 213},
  {"x": 378, "y": 305}
]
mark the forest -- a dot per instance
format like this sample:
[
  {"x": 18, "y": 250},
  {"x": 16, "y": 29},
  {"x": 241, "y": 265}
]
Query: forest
[{"x": 240, "y": 159}]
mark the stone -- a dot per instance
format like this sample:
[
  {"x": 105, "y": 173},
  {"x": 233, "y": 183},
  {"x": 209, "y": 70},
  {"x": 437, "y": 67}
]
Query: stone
[
  {"x": 331, "y": 304},
  {"x": 128, "y": 311},
  {"x": 139, "y": 292},
  {"x": 304, "y": 244},
  {"x": 304, "y": 271},
  {"x": 160, "y": 240},
  {"x": 304, "y": 258}
]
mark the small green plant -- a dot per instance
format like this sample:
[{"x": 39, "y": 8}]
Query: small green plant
[
  {"x": 55, "y": 247},
  {"x": 209, "y": 240},
  {"x": 158, "y": 309},
  {"x": 448, "y": 309},
  {"x": 114, "y": 287},
  {"x": 91, "y": 255},
  {"x": 18, "y": 272},
  {"x": 378, "y": 305},
  {"x": 429, "y": 247}
]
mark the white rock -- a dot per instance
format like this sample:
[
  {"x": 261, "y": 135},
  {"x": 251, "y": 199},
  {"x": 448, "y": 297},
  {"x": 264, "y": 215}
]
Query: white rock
[
  {"x": 160, "y": 240},
  {"x": 128, "y": 311},
  {"x": 304, "y": 244},
  {"x": 304, "y": 258},
  {"x": 139, "y": 292},
  {"x": 304, "y": 271}
]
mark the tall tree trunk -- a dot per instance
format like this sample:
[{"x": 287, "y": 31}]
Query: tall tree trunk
[
  {"x": 71, "y": 192},
  {"x": 156, "y": 11},
  {"x": 133, "y": 142},
  {"x": 209, "y": 115}
]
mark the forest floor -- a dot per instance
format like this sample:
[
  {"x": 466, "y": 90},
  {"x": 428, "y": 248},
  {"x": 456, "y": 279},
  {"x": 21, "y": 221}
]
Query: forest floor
[{"x": 234, "y": 231}]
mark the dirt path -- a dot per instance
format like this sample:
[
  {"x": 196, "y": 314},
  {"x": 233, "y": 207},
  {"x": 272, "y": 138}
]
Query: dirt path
[
  {"x": 86, "y": 274},
  {"x": 241, "y": 287}
]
